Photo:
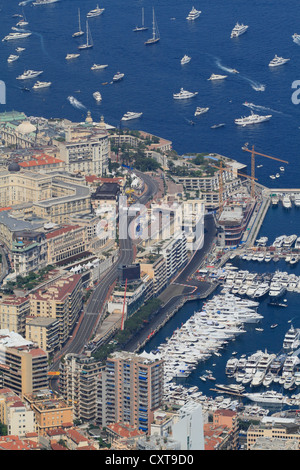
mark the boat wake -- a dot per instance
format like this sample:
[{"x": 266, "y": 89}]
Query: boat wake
[
  {"x": 256, "y": 107},
  {"x": 226, "y": 69},
  {"x": 255, "y": 85},
  {"x": 74, "y": 102}
]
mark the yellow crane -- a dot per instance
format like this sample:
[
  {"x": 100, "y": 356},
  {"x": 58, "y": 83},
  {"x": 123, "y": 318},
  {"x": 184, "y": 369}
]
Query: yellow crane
[{"x": 253, "y": 153}]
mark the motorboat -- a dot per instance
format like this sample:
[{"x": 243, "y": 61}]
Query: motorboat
[
  {"x": 217, "y": 77},
  {"x": 118, "y": 76},
  {"x": 185, "y": 59},
  {"x": 44, "y": 2},
  {"x": 200, "y": 111},
  {"x": 277, "y": 61},
  {"x": 252, "y": 119},
  {"x": 286, "y": 201},
  {"x": 18, "y": 35},
  {"x": 238, "y": 30},
  {"x": 20, "y": 49},
  {"x": 297, "y": 200},
  {"x": 12, "y": 58},
  {"x": 97, "y": 96},
  {"x": 296, "y": 37},
  {"x": 96, "y": 12},
  {"x": 216, "y": 126},
  {"x": 39, "y": 85},
  {"x": 72, "y": 56},
  {"x": 131, "y": 115},
  {"x": 99, "y": 67},
  {"x": 27, "y": 74},
  {"x": 183, "y": 94},
  {"x": 193, "y": 14}
]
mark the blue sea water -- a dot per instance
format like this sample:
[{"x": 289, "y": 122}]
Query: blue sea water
[{"x": 153, "y": 74}]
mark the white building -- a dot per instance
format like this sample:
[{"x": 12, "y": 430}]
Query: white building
[{"x": 188, "y": 427}]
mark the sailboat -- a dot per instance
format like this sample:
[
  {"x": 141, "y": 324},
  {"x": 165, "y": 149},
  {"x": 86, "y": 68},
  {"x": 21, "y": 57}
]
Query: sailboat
[
  {"x": 155, "y": 34},
  {"x": 88, "y": 44},
  {"x": 79, "y": 32},
  {"x": 143, "y": 27}
]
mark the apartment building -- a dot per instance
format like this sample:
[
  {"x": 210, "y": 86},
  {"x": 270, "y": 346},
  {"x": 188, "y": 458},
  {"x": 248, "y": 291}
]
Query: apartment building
[
  {"x": 51, "y": 411},
  {"x": 23, "y": 366},
  {"x": 62, "y": 300},
  {"x": 273, "y": 428},
  {"x": 15, "y": 414},
  {"x": 65, "y": 242},
  {"x": 44, "y": 332},
  {"x": 13, "y": 312},
  {"x": 132, "y": 389},
  {"x": 156, "y": 268},
  {"x": 79, "y": 384},
  {"x": 174, "y": 252},
  {"x": 28, "y": 251}
]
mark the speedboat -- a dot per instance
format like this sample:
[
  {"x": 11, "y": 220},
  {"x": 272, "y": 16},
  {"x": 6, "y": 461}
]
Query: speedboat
[
  {"x": 97, "y": 96},
  {"x": 72, "y": 56},
  {"x": 185, "y": 59},
  {"x": 131, "y": 115},
  {"x": 277, "y": 61},
  {"x": 183, "y": 94},
  {"x": 252, "y": 119},
  {"x": 118, "y": 76},
  {"x": 12, "y": 58},
  {"x": 39, "y": 85},
  {"x": 238, "y": 30},
  {"x": 200, "y": 111},
  {"x": 29, "y": 74},
  {"x": 99, "y": 67},
  {"x": 20, "y": 49},
  {"x": 216, "y": 77},
  {"x": 96, "y": 12},
  {"x": 193, "y": 14}
]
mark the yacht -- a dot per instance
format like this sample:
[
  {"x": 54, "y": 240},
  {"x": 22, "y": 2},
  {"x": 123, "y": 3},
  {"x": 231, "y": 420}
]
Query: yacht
[
  {"x": 216, "y": 77},
  {"x": 183, "y": 94},
  {"x": 89, "y": 40},
  {"x": 292, "y": 339},
  {"x": 155, "y": 32},
  {"x": 277, "y": 61},
  {"x": 118, "y": 76},
  {"x": 286, "y": 201},
  {"x": 96, "y": 12},
  {"x": 18, "y": 35},
  {"x": 269, "y": 397},
  {"x": 297, "y": 200},
  {"x": 289, "y": 382},
  {"x": 39, "y": 85},
  {"x": 252, "y": 119},
  {"x": 99, "y": 67},
  {"x": 97, "y": 96},
  {"x": 238, "y": 30},
  {"x": 262, "y": 241},
  {"x": 277, "y": 363},
  {"x": 297, "y": 243},
  {"x": 185, "y": 59},
  {"x": 262, "y": 290},
  {"x": 200, "y": 111},
  {"x": 276, "y": 290},
  {"x": 72, "y": 56},
  {"x": 20, "y": 49},
  {"x": 12, "y": 58},
  {"x": 79, "y": 32},
  {"x": 216, "y": 126},
  {"x": 289, "y": 241},
  {"x": 231, "y": 365},
  {"x": 193, "y": 14},
  {"x": 29, "y": 74},
  {"x": 296, "y": 37},
  {"x": 44, "y": 2},
  {"x": 131, "y": 115},
  {"x": 142, "y": 27}
]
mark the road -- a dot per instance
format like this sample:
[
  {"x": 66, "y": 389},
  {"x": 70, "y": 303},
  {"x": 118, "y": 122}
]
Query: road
[{"x": 94, "y": 310}]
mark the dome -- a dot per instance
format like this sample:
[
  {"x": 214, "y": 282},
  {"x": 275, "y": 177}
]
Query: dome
[
  {"x": 26, "y": 128},
  {"x": 14, "y": 167}
]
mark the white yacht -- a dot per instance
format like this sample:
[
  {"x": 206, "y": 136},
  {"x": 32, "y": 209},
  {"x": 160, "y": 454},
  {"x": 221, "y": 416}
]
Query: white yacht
[
  {"x": 18, "y": 35},
  {"x": 193, "y": 14},
  {"x": 297, "y": 200},
  {"x": 142, "y": 27},
  {"x": 269, "y": 397},
  {"x": 185, "y": 59},
  {"x": 252, "y": 119},
  {"x": 39, "y": 85},
  {"x": 217, "y": 77},
  {"x": 231, "y": 365},
  {"x": 72, "y": 56},
  {"x": 183, "y": 94},
  {"x": 289, "y": 241},
  {"x": 155, "y": 32},
  {"x": 96, "y": 12},
  {"x": 297, "y": 244},
  {"x": 296, "y": 37},
  {"x": 286, "y": 201},
  {"x": 118, "y": 76},
  {"x": 131, "y": 115},
  {"x": 12, "y": 58},
  {"x": 44, "y": 2},
  {"x": 29, "y": 74},
  {"x": 20, "y": 49},
  {"x": 200, "y": 111},
  {"x": 238, "y": 30},
  {"x": 99, "y": 66},
  {"x": 277, "y": 61},
  {"x": 97, "y": 96},
  {"x": 89, "y": 40},
  {"x": 276, "y": 290},
  {"x": 79, "y": 32},
  {"x": 292, "y": 339}
]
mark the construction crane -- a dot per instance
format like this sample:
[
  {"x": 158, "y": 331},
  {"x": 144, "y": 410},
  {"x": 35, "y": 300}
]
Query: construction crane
[
  {"x": 221, "y": 169},
  {"x": 124, "y": 303},
  {"x": 253, "y": 153}
]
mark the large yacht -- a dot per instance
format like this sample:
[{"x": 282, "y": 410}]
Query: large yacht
[
  {"x": 238, "y": 30},
  {"x": 269, "y": 397},
  {"x": 29, "y": 74},
  {"x": 12, "y": 36},
  {"x": 277, "y": 61},
  {"x": 276, "y": 290},
  {"x": 131, "y": 115},
  {"x": 183, "y": 94},
  {"x": 252, "y": 119},
  {"x": 96, "y": 12},
  {"x": 291, "y": 339},
  {"x": 44, "y": 2},
  {"x": 193, "y": 14}
]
